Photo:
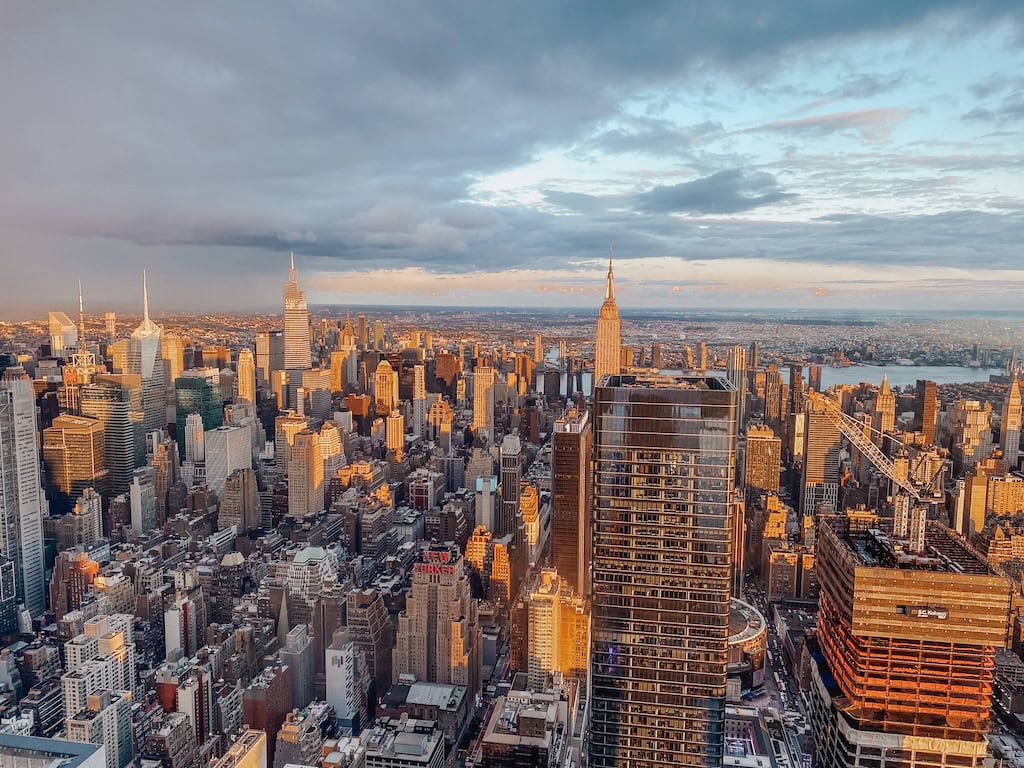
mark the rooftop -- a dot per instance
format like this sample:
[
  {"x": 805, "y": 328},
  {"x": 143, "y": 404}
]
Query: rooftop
[
  {"x": 666, "y": 381},
  {"x": 66, "y": 754},
  {"x": 944, "y": 551}
]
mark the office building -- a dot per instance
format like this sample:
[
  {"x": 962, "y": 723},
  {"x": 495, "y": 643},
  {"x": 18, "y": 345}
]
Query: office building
[
  {"x": 269, "y": 355},
  {"x": 197, "y": 390},
  {"x": 902, "y": 662},
  {"x": 228, "y": 449},
  {"x": 22, "y": 504},
  {"x": 419, "y": 400},
  {"x": 305, "y": 475},
  {"x": 246, "y": 369},
  {"x": 664, "y": 460},
  {"x": 394, "y": 434},
  {"x": 608, "y": 349},
  {"x": 145, "y": 360},
  {"x": 483, "y": 400},
  {"x": 762, "y": 462},
  {"x": 240, "y": 502},
  {"x": 74, "y": 455},
  {"x": 299, "y": 742},
  {"x": 1009, "y": 429},
  {"x": 821, "y": 469},
  {"x": 142, "y": 495},
  {"x": 369, "y": 628},
  {"x": 385, "y": 390},
  {"x": 439, "y": 637},
  {"x": 926, "y": 410},
  {"x": 570, "y": 499},
  {"x": 82, "y": 526},
  {"x": 736, "y": 372},
  {"x": 172, "y": 349},
  {"x": 63, "y": 335},
  {"x": 884, "y": 417},
  {"x": 559, "y": 631},
  {"x": 116, "y": 401},
  {"x": 511, "y": 474},
  {"x": 297, "y": 353}
]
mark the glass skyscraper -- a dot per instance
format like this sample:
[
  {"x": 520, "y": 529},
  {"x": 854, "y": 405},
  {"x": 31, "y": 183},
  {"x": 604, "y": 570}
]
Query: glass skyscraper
[{"x": 664, "y": 469}]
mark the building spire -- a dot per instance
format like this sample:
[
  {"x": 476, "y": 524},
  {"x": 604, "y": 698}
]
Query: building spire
[
  {"x": 81, "y": 319},
  {"x": 145, "y": 300},
  {"x": 291, "y": 270},
  {"x": 610, "y": 291}
]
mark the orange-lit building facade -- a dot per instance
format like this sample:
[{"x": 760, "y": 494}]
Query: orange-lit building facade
[{"x": 905, "y": 649}]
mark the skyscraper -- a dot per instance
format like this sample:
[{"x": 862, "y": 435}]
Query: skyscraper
[
  {"x": 570, "y": 499},
  {"x": 297, "y": 354},
  {"x": 1009, "y": 429},
  {"x": 736, "y": 371},
  {"x": 884, "y": 419},
  {"x": 197, "y": 390},
  {"x": 511, "y": 474},
  {"x": 483, "y": 400},
  {"x": 926, "y": 409},
  {"x": 762, "y": 462},
  {"x": 821, "y": 470},
  {"x": 246, "y": 376},
  {"x": 439, "y": 637},
  {"x": 662, "y": 535},
  {"x": 419, "y": 400},
  {"x": 608, "y": 351},
  {"x": 73, "y": 452},
  {"x": 115, "y": 402},
  {"x": 559, "y": 632},
  {"x": 394, "y": 433},
  {"x": 385, "y": 390},
  {"x": 305, "y": 475},
  {"x": 240, "y": 504},
  {"x": 227, "y": 449},
  {"x": 269, "y": 355},
  {"x": 903, "y": 657},
  {"x": 63, "y": 335},
  {"x": 145, "y": 360},
  {"x": 21, "y": 493}
]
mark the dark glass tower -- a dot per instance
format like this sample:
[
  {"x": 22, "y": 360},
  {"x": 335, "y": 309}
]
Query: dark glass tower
[{"x": 664, "y": 464}]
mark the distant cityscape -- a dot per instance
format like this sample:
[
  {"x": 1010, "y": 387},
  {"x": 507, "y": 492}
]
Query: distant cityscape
[{"x": 403, "y": 537}]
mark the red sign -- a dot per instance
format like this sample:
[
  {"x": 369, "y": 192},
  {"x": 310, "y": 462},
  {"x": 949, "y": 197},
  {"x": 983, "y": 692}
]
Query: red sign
[
  {"x": 432, "y": 556},
  {"x": 443, "y": 570}
]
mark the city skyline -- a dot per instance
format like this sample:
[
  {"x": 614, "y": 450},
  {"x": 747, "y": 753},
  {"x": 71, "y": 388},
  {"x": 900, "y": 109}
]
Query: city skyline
[{"x": 794, "y": 157}]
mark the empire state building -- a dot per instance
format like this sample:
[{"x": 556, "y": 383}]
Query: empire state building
[
  {"x": 297, "y": 355},
  {"x": 608, "y": 353}
]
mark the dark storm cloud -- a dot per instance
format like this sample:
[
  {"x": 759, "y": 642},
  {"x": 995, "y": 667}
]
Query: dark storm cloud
[
  {"x": 729, "y": 191},
  {"x": 355, "y": 131}
]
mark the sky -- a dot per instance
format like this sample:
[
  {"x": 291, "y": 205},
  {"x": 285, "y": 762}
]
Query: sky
[{"x": 733, "y": 154}]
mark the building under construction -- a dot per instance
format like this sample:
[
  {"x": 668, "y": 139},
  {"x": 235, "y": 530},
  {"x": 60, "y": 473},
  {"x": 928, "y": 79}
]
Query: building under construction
[{"x": 905, "y": 650}]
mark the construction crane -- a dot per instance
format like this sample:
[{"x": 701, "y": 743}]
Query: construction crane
[{"x": 853, "y": 430}]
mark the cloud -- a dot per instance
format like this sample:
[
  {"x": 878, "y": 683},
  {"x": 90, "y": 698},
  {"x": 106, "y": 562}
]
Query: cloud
[
  {"x": 729, "y": 191},
  {"x": 873, "y": 125},
  {"x": 220, "y": 139}
]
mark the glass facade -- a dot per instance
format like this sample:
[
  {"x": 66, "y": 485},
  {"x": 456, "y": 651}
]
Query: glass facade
[{"x": 664, "y": 469}]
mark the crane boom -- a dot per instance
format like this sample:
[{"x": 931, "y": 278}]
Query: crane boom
[{"x": 853, "y": 430}]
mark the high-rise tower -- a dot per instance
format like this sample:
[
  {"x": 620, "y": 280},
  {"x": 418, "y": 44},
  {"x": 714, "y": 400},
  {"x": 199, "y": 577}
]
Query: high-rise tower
[
  {"x": 145, "y": 360},
  {"x": 570, "y": 499},
  {"x": 297, "y": 355},
  {"x": 21, "y": 494},
  {"x": 246, "y": 376},
  {"x": 664, "y": 464},
  {"x": 736, "y": 372},
  {"x": 1009, "y": 429},
  {"x": 885, "y": 408},
  {"x": 608, "y": 352}
]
